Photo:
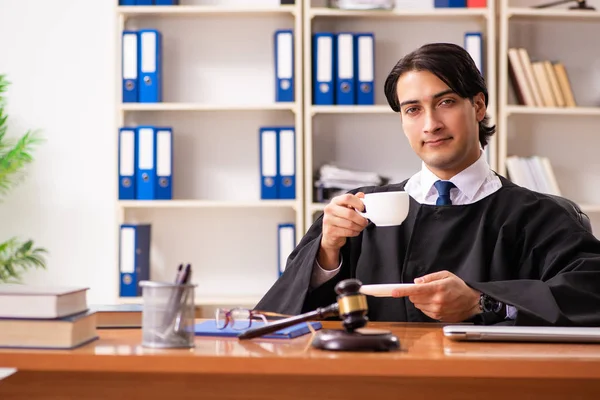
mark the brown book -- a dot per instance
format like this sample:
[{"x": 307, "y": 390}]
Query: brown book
[
  {"x": 553, "y": 80},
  {"x": 24, "y": 301},
  {"x": 526, "y": 62},
  {"x": 61, "y": 333},
  {"x": 565, "y": 85},
  {"x": 519, "y": 79},
  {"x": 118, "y": 316},
  {"x": 539, "y": 71}
]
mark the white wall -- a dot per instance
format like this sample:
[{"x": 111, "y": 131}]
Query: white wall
[{"x": 59, "y": 56}]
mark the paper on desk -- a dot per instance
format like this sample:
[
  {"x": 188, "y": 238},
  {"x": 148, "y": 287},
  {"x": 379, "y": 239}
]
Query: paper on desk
[{"x": 6, "y": 372}]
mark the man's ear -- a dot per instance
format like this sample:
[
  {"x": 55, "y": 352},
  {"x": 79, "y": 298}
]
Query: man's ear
[{"x": 479, "y": 104}]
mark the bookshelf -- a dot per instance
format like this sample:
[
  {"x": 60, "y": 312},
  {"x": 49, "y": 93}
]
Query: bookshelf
[
  {"x": 217, "y": 220},
  {"x": 565, "y": 135},
  {"x": 218, "y": 90},
  {"x": 370, "y": 137}
]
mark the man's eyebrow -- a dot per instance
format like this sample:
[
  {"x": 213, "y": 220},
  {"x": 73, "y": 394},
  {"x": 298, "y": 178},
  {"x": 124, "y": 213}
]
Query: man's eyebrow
[{"x": 435, "y": 96}]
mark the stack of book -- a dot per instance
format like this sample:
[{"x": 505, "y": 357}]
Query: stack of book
[
  {"x": 539, "y": 83},
  {"x": 117, "y": 316},
  {"x": 534, "y": 173},
  {"x": 45, "y": 317},
  {"x": 333, "y": 181}
]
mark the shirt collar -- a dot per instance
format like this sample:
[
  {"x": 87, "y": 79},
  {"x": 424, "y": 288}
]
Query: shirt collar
[{"x": 468, "y": 181}]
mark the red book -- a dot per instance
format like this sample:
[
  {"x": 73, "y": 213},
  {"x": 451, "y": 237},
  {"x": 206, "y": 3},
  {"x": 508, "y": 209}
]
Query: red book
[{"x": 476, "y": 3}]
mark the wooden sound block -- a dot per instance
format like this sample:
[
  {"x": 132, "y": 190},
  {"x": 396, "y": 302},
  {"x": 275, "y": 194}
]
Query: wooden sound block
[{"x": 364, "y": 339}]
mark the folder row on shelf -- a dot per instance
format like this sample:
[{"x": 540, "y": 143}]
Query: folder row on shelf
[
  {"x": 145, "y": 163},
  {"x": 539, "y": 83},
  {"x": 459, "y": 3},
  {"x": 142, "y": 66},
  {"x": 134, "y": 254},
  {"x": 343, "y": 68},
  {"x": 277, "y": 147},
  {"x": 429, "y": 4}
]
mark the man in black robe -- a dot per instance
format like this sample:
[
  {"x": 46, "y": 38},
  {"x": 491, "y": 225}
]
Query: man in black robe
[{"x": 478, "y": 248}]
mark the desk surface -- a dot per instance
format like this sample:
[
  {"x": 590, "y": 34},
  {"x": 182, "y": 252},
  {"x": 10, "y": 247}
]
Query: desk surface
[{"x": 424, "y": 352}]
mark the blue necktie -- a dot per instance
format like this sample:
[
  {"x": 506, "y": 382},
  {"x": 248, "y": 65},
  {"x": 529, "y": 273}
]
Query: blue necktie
[{"x": 443, "y": 188}]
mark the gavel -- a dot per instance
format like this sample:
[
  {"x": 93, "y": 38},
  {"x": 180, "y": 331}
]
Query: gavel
[{"x": 351, "y": 306}]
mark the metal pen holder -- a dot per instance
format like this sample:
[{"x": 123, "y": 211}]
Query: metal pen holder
[{"x": 168, "y": 315}]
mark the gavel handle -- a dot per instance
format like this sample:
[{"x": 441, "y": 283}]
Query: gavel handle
[{"x": 319, "y": 313}]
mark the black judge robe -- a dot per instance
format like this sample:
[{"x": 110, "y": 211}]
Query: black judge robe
[{"x": 518, "y": 246}]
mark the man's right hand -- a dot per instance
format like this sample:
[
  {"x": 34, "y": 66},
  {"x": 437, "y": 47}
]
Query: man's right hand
[{"x": 340, "y": 221}]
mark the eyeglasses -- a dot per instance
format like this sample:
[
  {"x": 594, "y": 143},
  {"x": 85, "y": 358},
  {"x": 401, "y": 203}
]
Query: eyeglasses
[{"x": 241, "y": 318}]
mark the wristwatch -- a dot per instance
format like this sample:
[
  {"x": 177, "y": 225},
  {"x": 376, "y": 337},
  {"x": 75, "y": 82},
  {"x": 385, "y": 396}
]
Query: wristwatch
[{"x": 489, "y": 304}]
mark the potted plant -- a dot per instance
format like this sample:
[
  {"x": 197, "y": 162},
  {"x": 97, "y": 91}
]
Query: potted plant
[{"x": 16, "y": 256}]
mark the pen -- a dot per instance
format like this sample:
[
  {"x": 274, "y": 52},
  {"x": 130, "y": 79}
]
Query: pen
[
  {"x": 184, "y": 276},
  {"x": 178, "y": 274},
  {"x": 183, "y": 296},
  {"x": 174, "y": 298}
]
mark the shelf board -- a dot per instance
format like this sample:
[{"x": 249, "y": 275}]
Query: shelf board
[
  {"x": 207, "y": 204},
  {"x": 590, "y": 208},
  {"x": 317, "y": 207},
  {"x": 551, "y": 13},
  {"x": 206, "y": 107},
  {"x": 130, "y": 300},
  {"x": 399, "y": 13},
  {"x": 575, "y": 111},
  {"x": 376, "y": 109},
  {"x": 134, "y": 11}
]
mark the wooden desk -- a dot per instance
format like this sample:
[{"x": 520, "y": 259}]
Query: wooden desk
[{"x": 428, "y": 366}]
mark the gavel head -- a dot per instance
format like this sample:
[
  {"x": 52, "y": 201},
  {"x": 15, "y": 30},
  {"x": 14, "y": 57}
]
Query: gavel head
[{"x": 352, "y": 304}]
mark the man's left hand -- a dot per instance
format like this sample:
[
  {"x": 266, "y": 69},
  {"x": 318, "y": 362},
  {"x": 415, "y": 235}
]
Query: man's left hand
[{"x": 442, "y": 296}]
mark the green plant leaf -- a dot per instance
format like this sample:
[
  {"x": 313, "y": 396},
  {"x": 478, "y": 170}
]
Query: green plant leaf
[
  {"x": 14, "y": 160},
  {"x": 16, "y": 257},
  {"x": 26, "y": 247},
  {"x": 15, "y": 154}
]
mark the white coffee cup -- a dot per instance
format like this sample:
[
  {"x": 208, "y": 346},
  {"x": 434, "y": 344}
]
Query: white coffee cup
[{"x": 386, "y": 208}]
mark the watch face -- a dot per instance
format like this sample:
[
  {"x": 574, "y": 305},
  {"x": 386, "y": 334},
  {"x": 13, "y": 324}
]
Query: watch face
[
  {"x": 497, "y": 306},
  {"x": 491, "y": 305}
]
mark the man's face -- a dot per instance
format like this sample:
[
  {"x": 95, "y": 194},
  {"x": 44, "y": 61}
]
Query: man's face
[{"x": 441, "y": 127}]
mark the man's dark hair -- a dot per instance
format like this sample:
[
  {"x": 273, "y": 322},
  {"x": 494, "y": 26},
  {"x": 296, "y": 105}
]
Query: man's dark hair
[{"x": 454, "y": 66}]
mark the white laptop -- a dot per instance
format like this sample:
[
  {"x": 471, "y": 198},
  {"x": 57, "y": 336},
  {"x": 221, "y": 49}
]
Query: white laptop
[{"x": 500, "y": 333}]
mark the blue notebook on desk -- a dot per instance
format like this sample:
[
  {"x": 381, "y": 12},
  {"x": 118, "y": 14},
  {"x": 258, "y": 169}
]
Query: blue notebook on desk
[{"x": 209, "y": 328}]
